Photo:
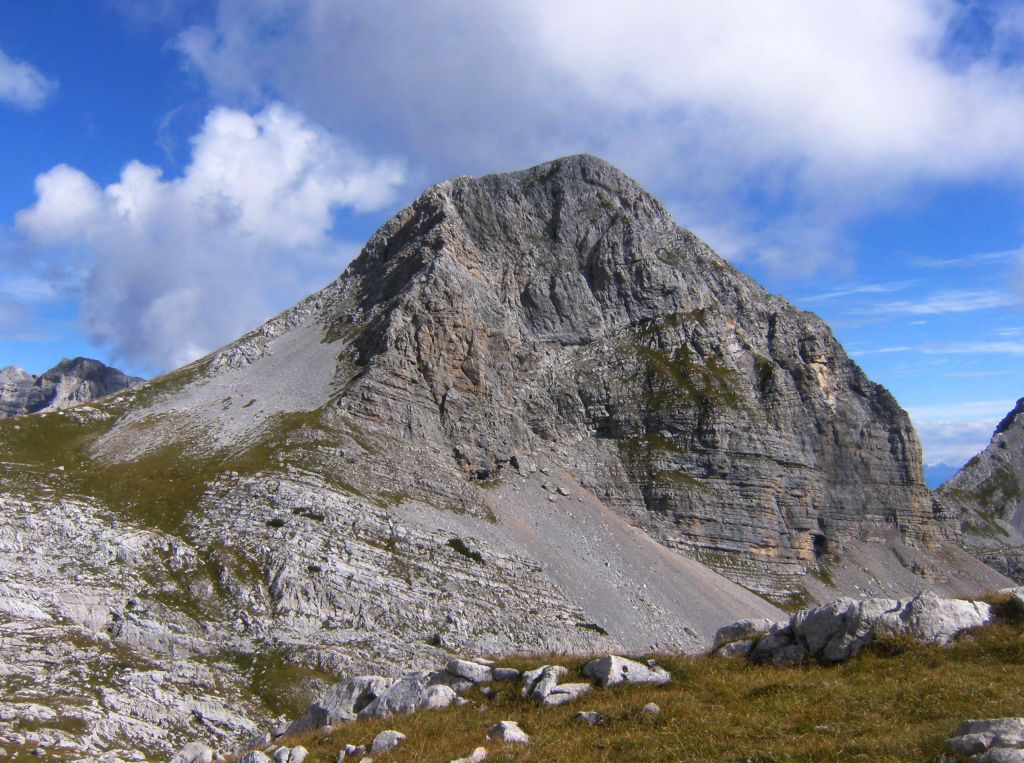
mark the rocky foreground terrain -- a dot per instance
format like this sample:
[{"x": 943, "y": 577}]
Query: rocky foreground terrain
[
  {"x": 533, "y": 416},
  {"x": 356, "y": 708},
  {"x": 989, "y": 494},
  {"x": 68, "y": 383}
]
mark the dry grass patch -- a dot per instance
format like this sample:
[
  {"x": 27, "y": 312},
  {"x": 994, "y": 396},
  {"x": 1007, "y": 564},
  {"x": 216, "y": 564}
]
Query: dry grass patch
[{"x": 898, "y": 701}]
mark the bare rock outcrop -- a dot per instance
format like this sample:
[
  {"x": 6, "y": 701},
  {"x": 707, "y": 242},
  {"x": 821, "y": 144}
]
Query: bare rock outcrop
[
  {"x": 989, "y": 494},
  {"x": 839, "y": 630}
]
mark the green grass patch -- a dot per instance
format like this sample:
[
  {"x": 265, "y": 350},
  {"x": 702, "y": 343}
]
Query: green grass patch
[{"x": 283, "y": 687}]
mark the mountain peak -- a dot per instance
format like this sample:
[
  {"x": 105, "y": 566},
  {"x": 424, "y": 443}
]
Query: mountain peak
[
  {"x": 560, "y": 307},
  {"x": 1014, "y": 417}
]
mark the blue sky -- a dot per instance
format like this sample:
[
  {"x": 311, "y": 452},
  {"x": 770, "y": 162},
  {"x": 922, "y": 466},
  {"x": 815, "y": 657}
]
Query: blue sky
[{"x": 175, "y": 171}]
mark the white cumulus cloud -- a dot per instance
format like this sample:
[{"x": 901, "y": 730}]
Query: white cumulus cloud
[
  {"x": 174, "y": 267},
  {"x": 818, "y": 111},
  {"x": 954, "y": 442},
  {"x": 22, "y": 84}
]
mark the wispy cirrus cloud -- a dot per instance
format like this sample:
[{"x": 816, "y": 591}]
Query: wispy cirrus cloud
[
  {"x": 880, "y": 351},
  {"x": 859, "y": 289},
  {"x": 970, "y": 260},
  {"x": 23, "y": 85},
  {"x": 27, "y": 288},
  {"x": 954, "y": 412},
  {"x": 975, "y": 348},
  {"x": 944, "y": 303},
  {"x": 974, "y": 374}
]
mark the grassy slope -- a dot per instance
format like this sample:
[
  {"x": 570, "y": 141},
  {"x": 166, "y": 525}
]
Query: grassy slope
[{"x": 896, "y": 702}]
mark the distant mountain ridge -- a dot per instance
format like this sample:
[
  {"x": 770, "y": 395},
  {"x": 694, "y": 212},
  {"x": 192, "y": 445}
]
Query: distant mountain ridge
[
  {"x": 936, "y": 474},
  {"x": 71, "y": 381}
]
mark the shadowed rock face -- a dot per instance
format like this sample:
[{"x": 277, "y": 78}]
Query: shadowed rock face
[
  {"x": 989, "y": 494},
  {"x": 563, "y": 305},
  {"x": 69, "y": 382}
]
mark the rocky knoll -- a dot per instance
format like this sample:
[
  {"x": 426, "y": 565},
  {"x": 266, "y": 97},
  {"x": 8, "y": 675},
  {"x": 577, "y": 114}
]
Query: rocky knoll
[
  {"x": 839, "y": 630},
  {"x": 989, "y": 494},
  {"x": 67, "y": 383}
]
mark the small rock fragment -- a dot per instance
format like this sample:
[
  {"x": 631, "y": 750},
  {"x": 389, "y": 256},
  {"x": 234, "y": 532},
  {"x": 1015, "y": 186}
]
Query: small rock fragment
[
  {"x": 471, "y": 671},
  {"x": 506, "y": 674},
  {"x": 386, "y": 741},
  {"x": 508, "y": 731},
  {"x": 591, "y": 718},
  {"x": 254, "y": 756},
  {"x": 650, "y": 709},
  {"x": 477, "y": 756},
  {"x": 563, "y": 693},
  {"x": 612, "y": 670},
  {"x": 193, "y": 752}
]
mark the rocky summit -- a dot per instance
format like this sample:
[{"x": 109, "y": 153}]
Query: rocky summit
[
  {"x": 988, "y": 492},
  {"x": 68, "y": 383},
  {"x": 534, "y": 415}
]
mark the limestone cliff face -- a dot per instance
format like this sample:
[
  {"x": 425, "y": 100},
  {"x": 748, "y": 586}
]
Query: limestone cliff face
[
  {"x": 69, "y": 382},
  {"x": 564, "y": 305},
  {"x": 989, "y": 494}
]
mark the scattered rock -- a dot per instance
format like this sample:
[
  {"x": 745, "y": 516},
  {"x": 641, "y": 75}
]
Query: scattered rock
[
  {"x": 736, "y": 649},
  {"x": 193, "y": 752},
  {"x": 254, "y": 756},
  {"x": 996, "y": 740},
  {"x": 386, "y": 741},
  {"x": 281, "y": 754},
  {"x": 538, "y": 683},
  {"x": 591, "y": 717},
  {"x": 408, "y": 695},
  {"x": 508, "y": 731},
  {"x": 837, "y": 631},
  {"x": 298, "y": 754},
  {"x": 650, "y": 709},
  {"x": 472, "y": 671},
  {"x": 260, "y": 741},
  {"x": 342, "y": 702},
  {"x": 741, "y": 630},
  {"x": 563, "y": 693},
  {"x": 477, "y": 756},
  {"x": 351, "y": 751},
  {"x": 612, "y": 670},
  {"x": 507, "y": 674}
]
